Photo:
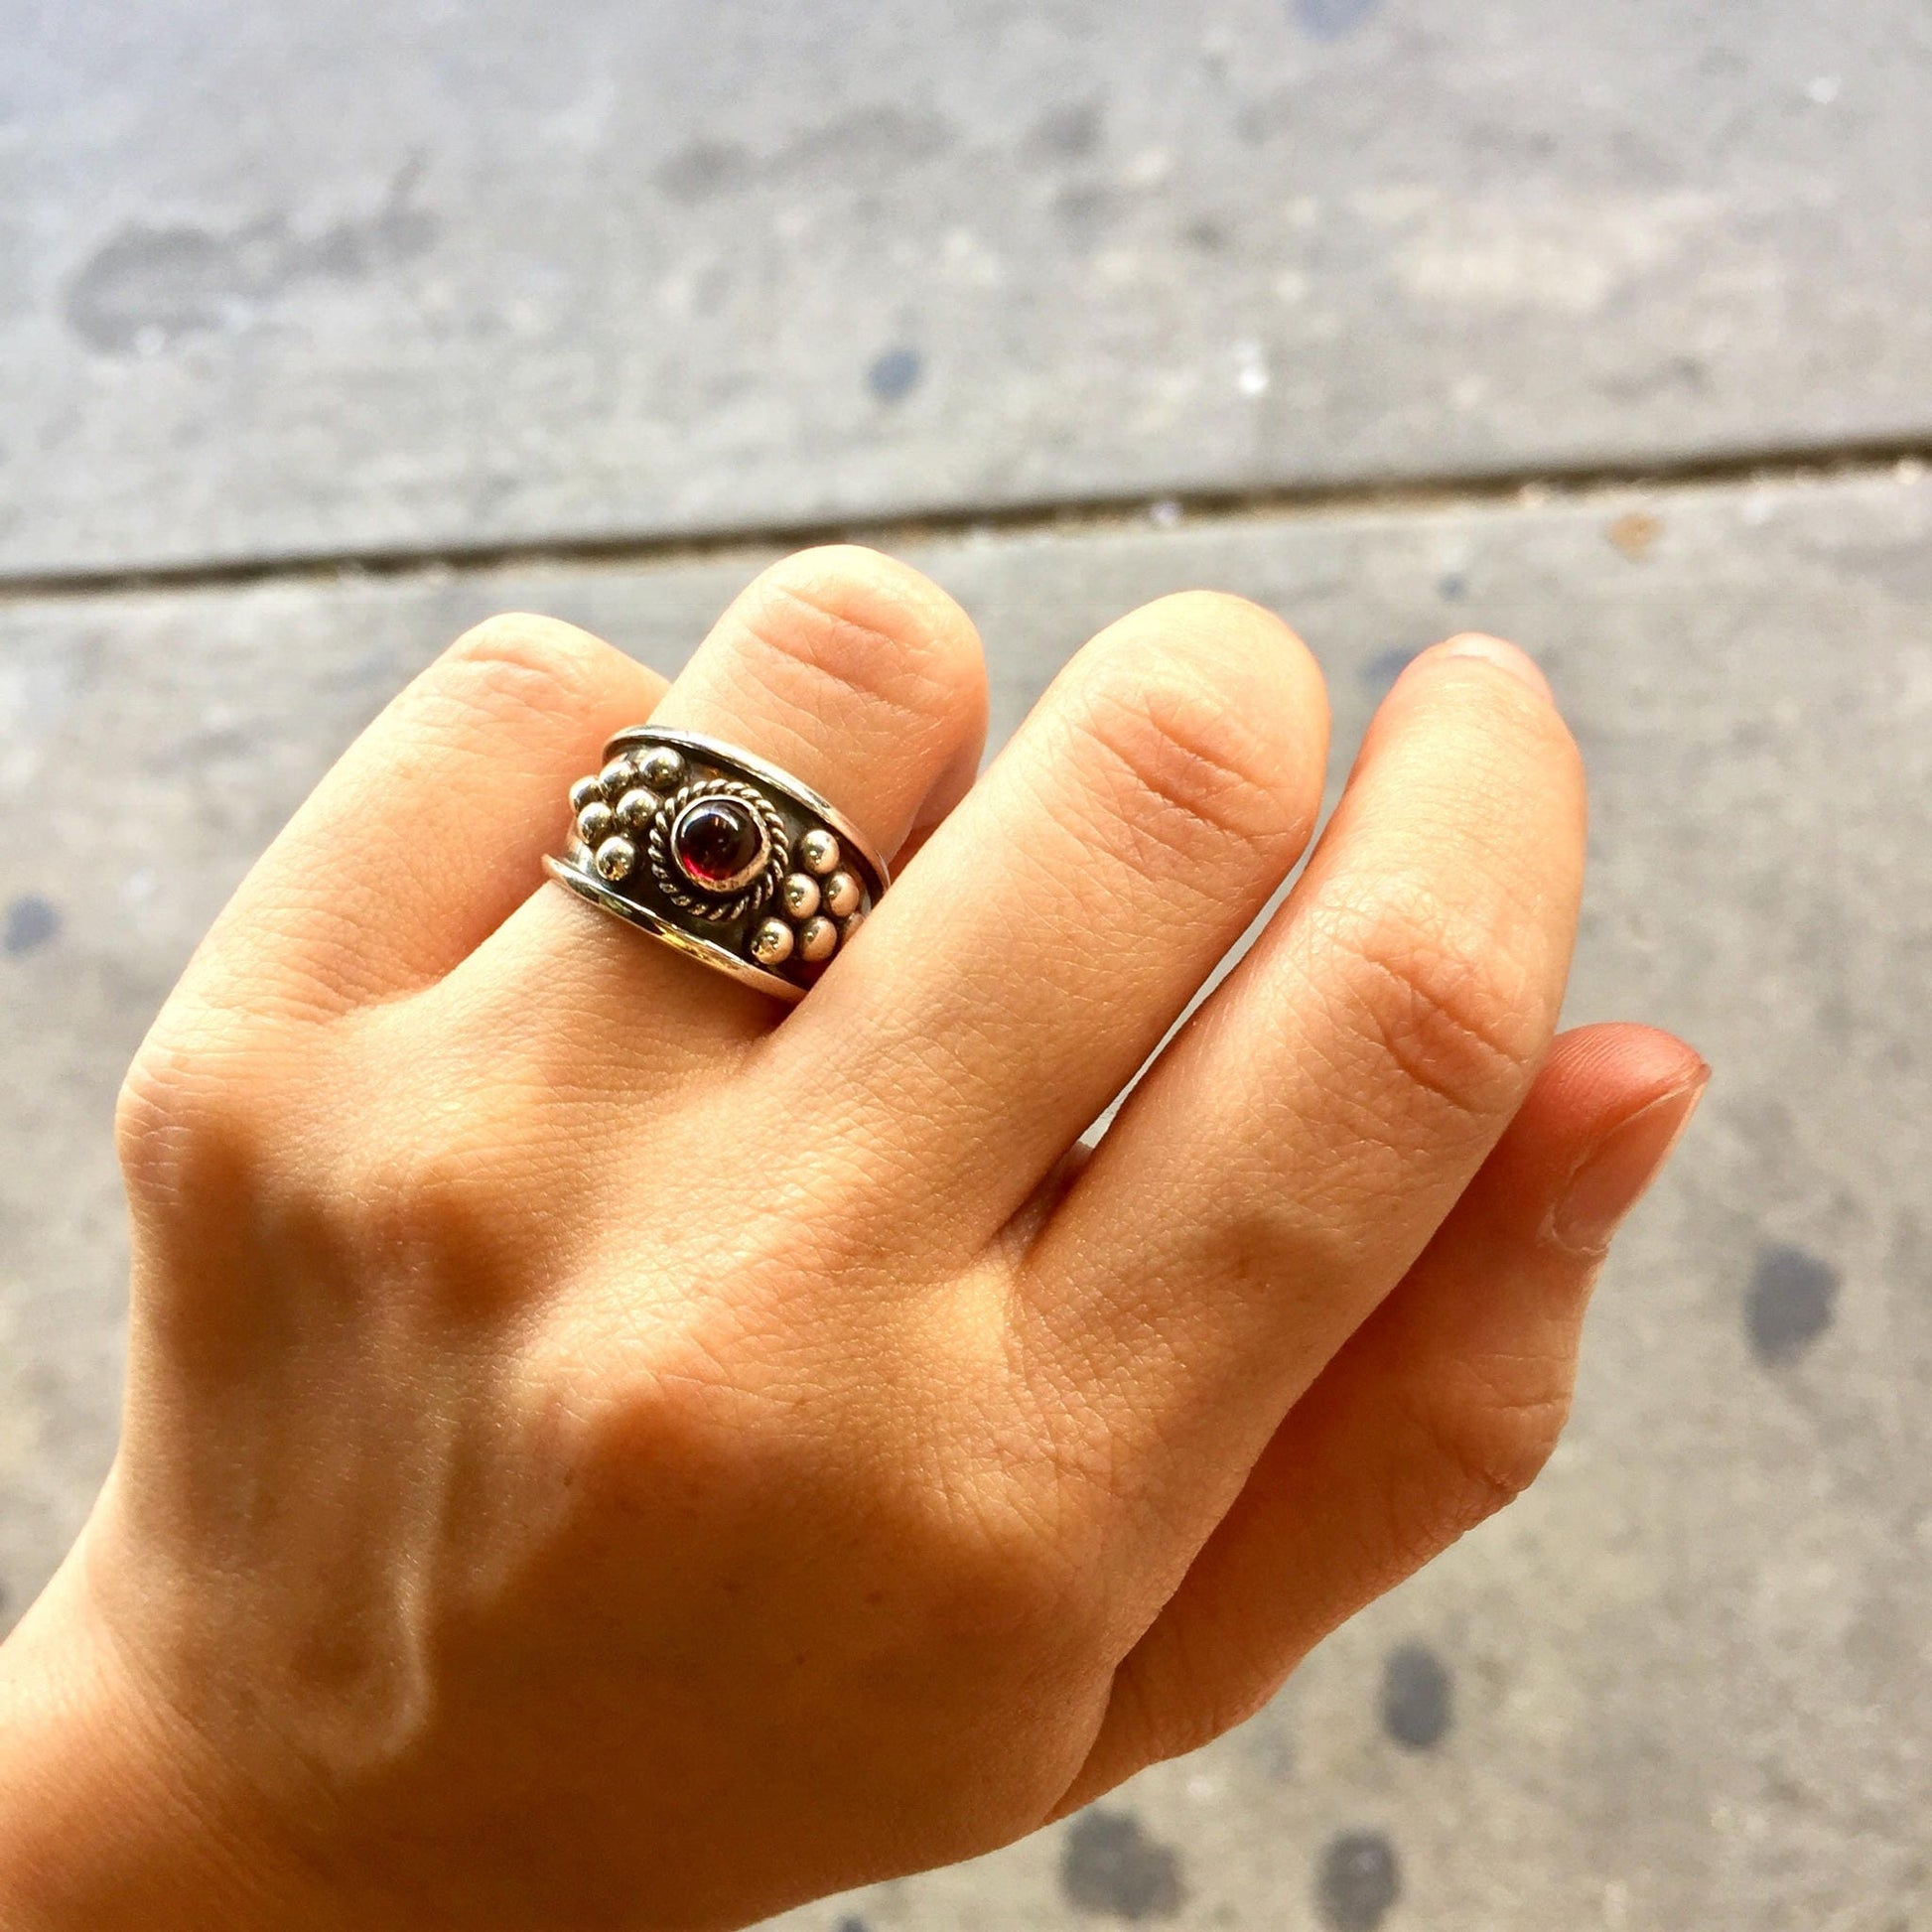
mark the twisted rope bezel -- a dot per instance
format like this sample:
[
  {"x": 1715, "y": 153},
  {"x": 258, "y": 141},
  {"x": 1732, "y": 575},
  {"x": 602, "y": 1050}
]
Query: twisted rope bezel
[{"x": 672, "y": 883}]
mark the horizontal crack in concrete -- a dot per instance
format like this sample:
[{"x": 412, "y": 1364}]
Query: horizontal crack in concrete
[{"x": 1554, "y": 485}]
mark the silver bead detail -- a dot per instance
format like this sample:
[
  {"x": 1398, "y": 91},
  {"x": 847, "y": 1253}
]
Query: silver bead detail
[
  {"x": 635, "y": 810},
  {"x": 662, "y": 767},
  {"x": 841, "y": 894},
  {"x": 817, "y": 941},
  {"x": 615, "y": 858},
  {"x": 771, "y": 943},
  {"x": 586, "y": 792},
  {"x": 819, "y": 851},
  {"x": 799, "y": 895},
  {"x": 851, "y": 926},
  {"x": 617, "y": 777},
  {"x": 594, "y": 822}
]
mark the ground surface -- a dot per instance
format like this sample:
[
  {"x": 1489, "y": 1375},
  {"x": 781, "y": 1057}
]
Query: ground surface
[{"x": 324, "y": 331}]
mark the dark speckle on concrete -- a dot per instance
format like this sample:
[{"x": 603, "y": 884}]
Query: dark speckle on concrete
[
  {"x": 1109, "y": 1864},
  {"x": 1331, "y": 20},
  {"x": 895, "y": 374},
  {"x": 1358, "y": 1881},
  {"x": 1386, "y": 666},
  {"x": 1452, "y": 586},
  {"x": 1085, "y": 208},
  {"x": 853, "y": 1923},
  {"x": 706, "y": 167},
  {"x": 1790, "y": 1303},
  {"x": 1418, "y": 1701},
  {"x": 1069, "y": 133},
  {"x": 31, "y": 921}
]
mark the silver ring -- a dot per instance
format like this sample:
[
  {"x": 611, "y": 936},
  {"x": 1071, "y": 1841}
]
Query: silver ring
[{"x": 720, "y": 854}]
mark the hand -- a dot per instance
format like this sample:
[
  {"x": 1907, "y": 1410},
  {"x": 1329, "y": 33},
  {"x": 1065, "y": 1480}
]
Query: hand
[{"x": 599, "y": 1453}]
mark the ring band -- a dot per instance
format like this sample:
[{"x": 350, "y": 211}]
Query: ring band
[{"x": 720, "y": 854}]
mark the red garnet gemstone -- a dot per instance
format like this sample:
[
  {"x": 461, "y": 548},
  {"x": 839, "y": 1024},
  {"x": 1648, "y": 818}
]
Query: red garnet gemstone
[{"x": 717, "y": 844}]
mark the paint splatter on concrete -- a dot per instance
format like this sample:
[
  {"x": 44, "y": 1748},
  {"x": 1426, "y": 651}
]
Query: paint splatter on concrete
[
  {"x": 149, "y": 287},
  {"x": 1417, "y": 1697},
  {"x": 854, "y": 147},
  {"x": 1110, "y": 1865},
  {"x": 31, "y": 922},
  {"x": 1792, "y": 1299},
  {"x": 1359, "y": 1880},
  {"x": 895, "y": 374}
]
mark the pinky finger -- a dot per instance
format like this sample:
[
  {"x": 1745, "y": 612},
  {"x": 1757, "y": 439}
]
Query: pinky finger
[{"x": 1439, "y": 1408}]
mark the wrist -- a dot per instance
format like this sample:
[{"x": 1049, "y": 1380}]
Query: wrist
[{"x": 111, "y": 1817}]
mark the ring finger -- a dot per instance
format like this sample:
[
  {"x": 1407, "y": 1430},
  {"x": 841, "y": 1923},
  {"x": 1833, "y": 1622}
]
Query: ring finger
[{"x": 854, "y": 673}]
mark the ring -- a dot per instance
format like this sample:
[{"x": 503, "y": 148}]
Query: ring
[{"x": 720, "y": 854}]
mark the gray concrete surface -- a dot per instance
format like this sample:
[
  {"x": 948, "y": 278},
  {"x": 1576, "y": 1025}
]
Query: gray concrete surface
[
  {"x": 282, "y": 276},
  {"x": 398, "y": 285},
  {"x": 1685, "y": 1684}
]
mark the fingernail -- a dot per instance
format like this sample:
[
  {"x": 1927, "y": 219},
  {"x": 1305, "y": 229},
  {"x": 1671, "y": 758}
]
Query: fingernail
[
  {"x": 1617, "y": 1172},
  {"x": 1506, "y": 657}
]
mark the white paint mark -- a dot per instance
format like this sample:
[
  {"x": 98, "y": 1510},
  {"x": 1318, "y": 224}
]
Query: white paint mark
[
  {"x": 1251, "y": 375},
  {"x": 581, "y": 121},
  {"x": 1914, "y": 698},
  {"x": 38, "y": 689},
  {"x": 1164, "y": 515},
  {"x": 966, "y": 261},
  {"x": 1825, "y": 89},
  {"x": 1567, "y": 253}
]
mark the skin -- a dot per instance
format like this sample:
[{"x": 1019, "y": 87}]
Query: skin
[{"x": 601, "y": 1453}]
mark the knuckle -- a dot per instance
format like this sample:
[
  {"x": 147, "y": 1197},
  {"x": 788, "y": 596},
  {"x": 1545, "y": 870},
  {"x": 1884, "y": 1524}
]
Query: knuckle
[
  {"x": 857, "y": 622},
  {"x": 195, "y": 1109},
  {"x": 1441, "y": 998},
  {"x": 436, "y": 1221},
  {"x": 1186, "y": 767},
  {"x": 1000, "y": 1590},
  {"x": 1487, "y": 1435},
  {"x": 665, "y": 1427},
  {"x": 1185, "y": 1688},
  {"x": 514, "y": 662}
]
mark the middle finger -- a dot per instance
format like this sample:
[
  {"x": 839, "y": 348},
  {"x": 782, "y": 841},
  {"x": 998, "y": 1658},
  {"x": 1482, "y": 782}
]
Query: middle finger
[{"x": 1051, "y": 930}]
